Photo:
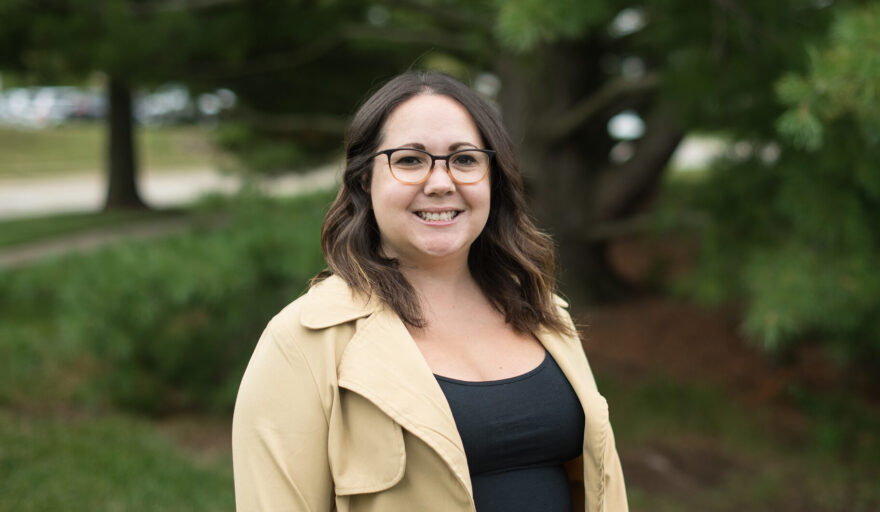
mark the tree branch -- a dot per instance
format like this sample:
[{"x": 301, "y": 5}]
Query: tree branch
[
  {"x": 619, "y": 228},
  {"x": 623, "y": 187},
  {"x": 733, "y": 8},
  {"x": 181, "y": 5},
  {"x": 643, "y": 223},
  {"x": 559, "y": 126},
  {"x": 317, "y": 49},
  {"x": 426, "y": 37},
  {"x": 289, "y": 60}
]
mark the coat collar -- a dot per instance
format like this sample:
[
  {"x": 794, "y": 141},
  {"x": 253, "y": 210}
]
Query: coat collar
[
  {"x": 331, "y": 302},
  {"x": 383, "y": 364}
]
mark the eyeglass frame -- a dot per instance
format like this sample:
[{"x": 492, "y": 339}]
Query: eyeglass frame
[{"x": 434, "y": 158}]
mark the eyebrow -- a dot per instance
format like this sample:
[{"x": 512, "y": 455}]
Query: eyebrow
[{"x": 452, "y": 147}]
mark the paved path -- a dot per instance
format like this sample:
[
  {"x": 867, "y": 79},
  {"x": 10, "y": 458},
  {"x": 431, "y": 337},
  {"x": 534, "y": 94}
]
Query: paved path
[
  {"x": 28, "y": 198},
  {"x": 21, "y": 255},
  {"x": 83, "y": 193}
]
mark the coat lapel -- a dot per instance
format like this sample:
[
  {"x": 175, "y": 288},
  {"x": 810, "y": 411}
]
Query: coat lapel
[{"x": 383, "y": 364}]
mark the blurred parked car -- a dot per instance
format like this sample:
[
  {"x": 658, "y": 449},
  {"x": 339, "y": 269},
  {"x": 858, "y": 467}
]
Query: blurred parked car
[{"x": 38, "y": 107}]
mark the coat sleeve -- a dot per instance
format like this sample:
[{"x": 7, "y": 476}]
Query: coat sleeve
[
  {"x": 279, "y": 433},
  {"x": 615, "y": 490}
]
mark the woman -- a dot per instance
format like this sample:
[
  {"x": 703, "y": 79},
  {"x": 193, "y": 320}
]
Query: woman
[{"x": 431, "y": 368}]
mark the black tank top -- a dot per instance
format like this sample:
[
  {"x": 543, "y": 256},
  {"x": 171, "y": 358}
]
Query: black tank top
[{"x": 517, "y": 433}]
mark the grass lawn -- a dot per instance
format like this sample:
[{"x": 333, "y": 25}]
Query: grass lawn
[
  {"x": 79, "y": 148},
  {"x": 105, "y": 463}
]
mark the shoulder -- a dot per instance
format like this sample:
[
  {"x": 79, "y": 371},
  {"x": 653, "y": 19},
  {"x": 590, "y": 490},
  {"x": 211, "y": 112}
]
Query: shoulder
[
  {"x": 560, "y": 302},
  {"x": 562, "y": 309},
  {"x": 327, "y": 304},
  {"x": 303, "y": 344}
]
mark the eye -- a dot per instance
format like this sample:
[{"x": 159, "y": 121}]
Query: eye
[
  {"x": 464, "y": 160},
  {"x": 407, "y": 159}
]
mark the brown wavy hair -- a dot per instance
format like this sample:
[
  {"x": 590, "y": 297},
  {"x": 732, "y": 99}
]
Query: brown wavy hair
[{"x": 512, "y": 261}]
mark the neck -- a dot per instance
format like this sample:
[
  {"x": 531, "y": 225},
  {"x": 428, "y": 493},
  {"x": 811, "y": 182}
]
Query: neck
[
  {"x": 441, "y": 285},
  {"x": 437, "y": 277}
]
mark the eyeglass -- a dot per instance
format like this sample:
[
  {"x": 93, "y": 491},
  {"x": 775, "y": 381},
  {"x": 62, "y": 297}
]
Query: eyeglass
[{"x": 413, "y": 166}]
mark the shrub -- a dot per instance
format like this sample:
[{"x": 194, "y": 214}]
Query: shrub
[
  {"x": 170, "y": 323},
  {"x": 794, "y": 233},
  {"x": 796, "y": 242}
]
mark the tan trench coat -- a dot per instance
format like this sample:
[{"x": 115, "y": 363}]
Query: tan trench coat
[{"x": 338, "y": 410}]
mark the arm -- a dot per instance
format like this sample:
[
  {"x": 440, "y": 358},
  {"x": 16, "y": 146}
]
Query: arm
[
  {"x": 279, "y": 433},
  {"x": 615, "y": 491}
]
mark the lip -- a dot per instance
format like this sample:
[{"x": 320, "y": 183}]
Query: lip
[{"x": 438, "y": 209}]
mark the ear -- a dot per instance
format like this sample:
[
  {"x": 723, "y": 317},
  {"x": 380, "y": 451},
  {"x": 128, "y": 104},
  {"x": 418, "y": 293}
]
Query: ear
[{"x": 365, "y": 182}]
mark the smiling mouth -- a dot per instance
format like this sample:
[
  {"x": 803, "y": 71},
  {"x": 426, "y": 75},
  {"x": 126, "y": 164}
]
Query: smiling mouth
[{"x": 438, "y": 216}]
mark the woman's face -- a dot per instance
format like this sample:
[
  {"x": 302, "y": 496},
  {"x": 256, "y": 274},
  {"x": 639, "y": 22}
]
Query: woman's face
[{"x": 437, "y": 219}]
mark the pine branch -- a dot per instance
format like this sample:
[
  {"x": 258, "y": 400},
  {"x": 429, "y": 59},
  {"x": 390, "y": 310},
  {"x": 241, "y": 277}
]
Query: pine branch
[{"x": 462, "y": 15}]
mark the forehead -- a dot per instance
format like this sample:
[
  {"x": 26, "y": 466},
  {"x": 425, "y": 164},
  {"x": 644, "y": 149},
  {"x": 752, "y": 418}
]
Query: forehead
[{"x": 430, "y": 119}]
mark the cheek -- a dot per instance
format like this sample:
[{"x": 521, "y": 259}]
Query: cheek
[
  {"x": 389, "y": 201},
  {"x": 479, "y": 198},
  {"x": 374, "y": 186}
]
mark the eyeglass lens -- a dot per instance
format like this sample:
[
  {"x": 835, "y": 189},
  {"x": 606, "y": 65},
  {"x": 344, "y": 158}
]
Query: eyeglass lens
[{"x": 412, "y": 165}]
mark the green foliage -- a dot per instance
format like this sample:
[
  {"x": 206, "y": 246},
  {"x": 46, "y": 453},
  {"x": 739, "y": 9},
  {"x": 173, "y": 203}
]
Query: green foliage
[
  {"x": 718, "y": 59},
  {"x": 802, "y": 127},
  {"x": 262, "y": 153},
  {"x": 169, "y": 325},
  {"x": 797, "y": 242},
  {"x": 798, "y": 289},
  {"x": 795, "y": 238},
  {"x": 72, "y": 37},
  {"x": 112, "y": 463},
  {"x": 842, "y": 79},
  {"x": 523, "y": 24},
  {"x": 23, "y": 365}
]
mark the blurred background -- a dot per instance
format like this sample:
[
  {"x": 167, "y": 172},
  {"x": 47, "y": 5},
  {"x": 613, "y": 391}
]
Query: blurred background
[{"x": 709, "y": 170}]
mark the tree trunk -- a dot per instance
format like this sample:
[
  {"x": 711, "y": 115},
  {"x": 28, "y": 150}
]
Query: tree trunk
[
  {"x": 565, "y": 161},
  {"x": 122, "y": 187}
]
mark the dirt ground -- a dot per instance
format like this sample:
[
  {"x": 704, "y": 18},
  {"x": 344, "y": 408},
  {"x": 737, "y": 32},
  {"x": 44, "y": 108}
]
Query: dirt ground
[
  {"x": 655, "y": 334},
  {"x": 689, "y": 342}
]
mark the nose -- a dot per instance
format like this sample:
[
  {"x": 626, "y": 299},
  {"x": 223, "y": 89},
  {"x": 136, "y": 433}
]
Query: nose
[{"x": 439, "y": 181}]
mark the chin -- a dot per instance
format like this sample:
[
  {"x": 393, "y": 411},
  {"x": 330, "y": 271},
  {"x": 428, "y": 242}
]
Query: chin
[{"x": 443, "y": 250}]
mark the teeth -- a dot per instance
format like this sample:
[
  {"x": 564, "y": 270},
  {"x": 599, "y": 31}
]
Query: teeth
[{"x": 435, "y": 216}]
